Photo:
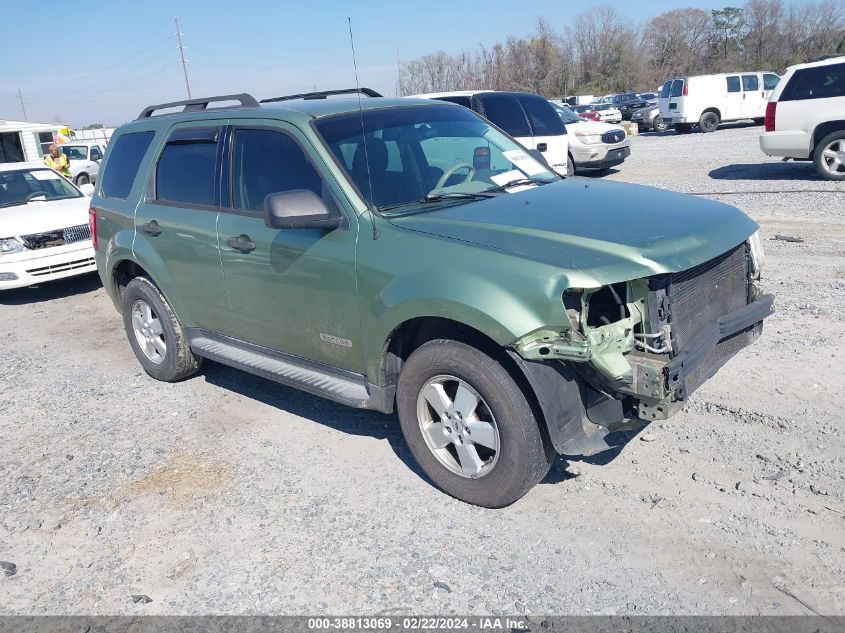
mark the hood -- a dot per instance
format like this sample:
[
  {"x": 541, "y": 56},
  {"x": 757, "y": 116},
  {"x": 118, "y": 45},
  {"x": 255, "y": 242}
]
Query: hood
[
  {"x": 598, "y": 232},
  {"x": 38, "y": 217},
  {"x": 592, "y": 126}
]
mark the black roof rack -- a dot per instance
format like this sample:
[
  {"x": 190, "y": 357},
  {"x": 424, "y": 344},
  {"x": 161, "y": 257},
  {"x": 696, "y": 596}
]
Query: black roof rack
[
  {"x": 325, "y": 93},
  {"x": 197, "y": 105}
]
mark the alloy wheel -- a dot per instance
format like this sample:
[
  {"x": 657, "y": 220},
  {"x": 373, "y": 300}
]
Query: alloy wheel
[
  {"x": 833, "y": 157},
  {"x": 148, "y": 332},
  {"x": 458, "y": 426}
]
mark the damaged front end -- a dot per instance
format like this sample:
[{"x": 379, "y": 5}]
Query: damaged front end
[{"x": 636, "y": 350}]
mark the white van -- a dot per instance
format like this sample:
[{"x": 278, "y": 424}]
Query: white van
[
  {"x": 708, "y": 100},
  {"x": 528, "y": 118}
]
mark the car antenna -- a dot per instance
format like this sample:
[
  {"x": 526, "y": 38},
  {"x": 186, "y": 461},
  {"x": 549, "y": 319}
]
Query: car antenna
[{"x": 363, "y": 133}]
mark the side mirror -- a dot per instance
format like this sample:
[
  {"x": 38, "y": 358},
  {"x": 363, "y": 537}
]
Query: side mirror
[
  {"x": 299, "y": 209},
  {"x": 87, "y": 189}
]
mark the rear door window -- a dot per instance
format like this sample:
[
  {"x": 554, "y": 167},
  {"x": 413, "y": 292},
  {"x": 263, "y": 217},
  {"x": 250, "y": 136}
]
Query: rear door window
[
  {"x": 677, "y": 88},
  {"x": 665, "y": 89},
  {"x": 186, "y": 167},
  {"x": 125, "y": 156},
  {"x": 733, "y": 83},
  {"x": 505, "y": 112},
  {"x": 820, "y": 82},
  {"x": 750, "y": 83},
  {"x": 542, "y": 116}
]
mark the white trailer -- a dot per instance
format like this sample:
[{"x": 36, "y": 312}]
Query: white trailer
[{"x": 22, "y": 141}]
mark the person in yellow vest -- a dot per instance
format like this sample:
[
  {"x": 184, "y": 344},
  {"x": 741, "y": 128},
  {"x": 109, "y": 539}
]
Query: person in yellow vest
[{"x": 58, "y": 161}]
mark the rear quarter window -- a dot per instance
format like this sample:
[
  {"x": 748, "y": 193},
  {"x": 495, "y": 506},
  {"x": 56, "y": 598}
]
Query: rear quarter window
[
  {"x": 821, "y": 82},
  {"x": 505, "y": 112},
  {"x": 464, "y": 101},
  {"x": 542, "y": 116},
  {"x": 125, "y": 156}
]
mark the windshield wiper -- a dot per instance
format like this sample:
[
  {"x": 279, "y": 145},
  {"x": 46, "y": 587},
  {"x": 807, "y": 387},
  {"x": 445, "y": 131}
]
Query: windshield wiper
[
  {"x": 437, "y": 197},
  {"x": 434, "y": 197},
  {"x": 517, "y": 182}
]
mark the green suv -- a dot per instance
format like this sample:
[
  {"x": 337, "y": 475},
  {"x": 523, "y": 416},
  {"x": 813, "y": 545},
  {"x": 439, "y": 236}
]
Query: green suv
[{"x": 408, "y": 255}]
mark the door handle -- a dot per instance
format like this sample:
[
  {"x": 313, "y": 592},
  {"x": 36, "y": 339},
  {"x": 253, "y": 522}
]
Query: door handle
[
  {"x": 241, "y": 243},
  {"x": 151, "y": 228},
  {"x": 542, "y": 147}
]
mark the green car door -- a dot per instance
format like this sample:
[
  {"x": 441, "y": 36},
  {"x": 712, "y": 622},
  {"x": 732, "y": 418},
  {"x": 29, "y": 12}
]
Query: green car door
[
  {"x": 291, "y": 290},
  {"x": 176, "y": 224}
]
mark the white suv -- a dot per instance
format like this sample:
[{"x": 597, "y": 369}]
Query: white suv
[
  {"x": 528, "y": 118},
  {"x": 805, "y": 116}
]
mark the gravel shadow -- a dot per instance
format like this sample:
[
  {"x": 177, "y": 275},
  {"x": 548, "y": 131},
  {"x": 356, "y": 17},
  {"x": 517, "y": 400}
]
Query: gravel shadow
[
  {"x": 330, "y": 414},
  {"x": 767, "y": 171},
  {"x": 48, "y": 291}
]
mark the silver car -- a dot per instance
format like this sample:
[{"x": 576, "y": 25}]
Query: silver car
[{"x": 648, "y": 118}]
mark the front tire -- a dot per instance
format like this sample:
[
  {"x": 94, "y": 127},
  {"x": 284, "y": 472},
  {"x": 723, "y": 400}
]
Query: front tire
[
  {"x": 708, "y": 122},
  {"x": 829, "y": 156},
  {"x": 82, "y": 179},
  {"x": 469, "y": 425},
  {"x": 155, "y": 333},
  {"x": 659, "y": 125},
  {"x": 570, "y": 165}
]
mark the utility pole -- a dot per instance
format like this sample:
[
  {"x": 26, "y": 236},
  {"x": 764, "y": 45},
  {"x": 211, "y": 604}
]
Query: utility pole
[
  {"x": 399, "y": 90},
  {"x": 23, "y": 107},
  {"x": 182, "y": 57}
]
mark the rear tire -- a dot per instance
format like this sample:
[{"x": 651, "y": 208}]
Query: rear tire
[
  {"x": 708, "y": 122},
  {"x": 829, "y": 156},
  {"x": 508, "y": 454},
  {"x": 155, "y": 334},
  {"x": 759, "y": 121}
]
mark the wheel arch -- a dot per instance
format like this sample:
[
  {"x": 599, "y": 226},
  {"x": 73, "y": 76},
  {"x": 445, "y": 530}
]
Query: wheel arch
[
  {"x": 411, "y": 334},
  {"x": 823, "y": 129},
  {"x": 712, "y": 109},
  {"x": 125, "y": 269}
]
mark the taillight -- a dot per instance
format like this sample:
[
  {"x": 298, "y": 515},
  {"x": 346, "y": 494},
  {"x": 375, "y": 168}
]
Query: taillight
[
  {"x": 771, "y": 109},
  {"x": 685, "y": 91},
  {"x": 92, "y": 225}
]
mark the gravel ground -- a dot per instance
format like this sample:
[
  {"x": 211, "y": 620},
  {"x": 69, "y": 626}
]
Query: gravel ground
[{"x": 229, "y": 494}]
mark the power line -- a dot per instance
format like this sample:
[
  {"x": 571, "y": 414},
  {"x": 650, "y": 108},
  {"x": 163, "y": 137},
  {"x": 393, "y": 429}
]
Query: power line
[{"x": 182, "y": 57}]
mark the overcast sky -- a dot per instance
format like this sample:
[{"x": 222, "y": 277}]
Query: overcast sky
[{"x": 105, "y": 67}]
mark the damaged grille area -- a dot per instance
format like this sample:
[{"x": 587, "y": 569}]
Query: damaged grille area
[
  {"x": 703, "y": 294},
  {"x": 60, "y": 237},
  {"x": 722, "y": 353}
]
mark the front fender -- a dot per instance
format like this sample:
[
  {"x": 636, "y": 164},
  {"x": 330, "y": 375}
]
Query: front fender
[{"x": 469, "y": 299}]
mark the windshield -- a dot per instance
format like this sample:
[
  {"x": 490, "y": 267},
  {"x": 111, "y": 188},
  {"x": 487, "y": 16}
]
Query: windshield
[
  {"x": 75, "y": 152},
  {"x": 566, "y": 115},
  {"x": 25, "y": 185},
  {"x": 415, "y": 154}
]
